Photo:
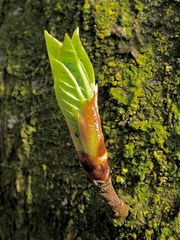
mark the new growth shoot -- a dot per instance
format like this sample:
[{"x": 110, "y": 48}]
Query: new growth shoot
[{"x": 76, "y": 93}]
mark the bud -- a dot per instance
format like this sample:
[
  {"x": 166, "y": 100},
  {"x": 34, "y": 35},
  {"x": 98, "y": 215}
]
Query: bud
[{"x": 76, "y": 93}]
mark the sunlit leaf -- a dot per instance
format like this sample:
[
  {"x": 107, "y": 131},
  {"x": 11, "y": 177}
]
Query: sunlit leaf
[
  {"x": 74, "y": 82},
  {"x": 83, "y": 56}
]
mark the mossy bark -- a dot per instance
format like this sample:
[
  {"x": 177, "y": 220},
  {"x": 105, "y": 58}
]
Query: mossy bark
[{"x": 133, "y": 46}]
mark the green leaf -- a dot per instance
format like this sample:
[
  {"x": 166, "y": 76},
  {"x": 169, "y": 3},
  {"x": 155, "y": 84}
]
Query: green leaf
[
  {"x": 53, "y": 45},
  {"x": 73, "y": 75},
  {"x": 83, "y": 56},
  {"x": 68, "y": 92},
  {"x": 69, "y": 57}
]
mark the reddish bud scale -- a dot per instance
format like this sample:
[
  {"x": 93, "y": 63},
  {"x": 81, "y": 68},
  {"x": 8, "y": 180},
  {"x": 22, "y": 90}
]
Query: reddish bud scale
[
  {"x": 94, "y": 157},
  {"x": 97, "y": 172},
  {"x": 74, "y": 83}
]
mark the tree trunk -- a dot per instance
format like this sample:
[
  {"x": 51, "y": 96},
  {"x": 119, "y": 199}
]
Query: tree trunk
[{"x": 44, "y": 192}]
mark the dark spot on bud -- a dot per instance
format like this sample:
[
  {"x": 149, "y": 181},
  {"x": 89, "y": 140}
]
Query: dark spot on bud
[
  {"x": 86, "y": 162},
  {"x": 77, "y": 135},
  {"x": 88, "y": 167},
  {"x": 95, "y": 171}
]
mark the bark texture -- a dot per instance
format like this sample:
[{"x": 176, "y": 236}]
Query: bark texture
[
  {"x": 44, "y": 194},
  {"x": 117, "y": 205}
]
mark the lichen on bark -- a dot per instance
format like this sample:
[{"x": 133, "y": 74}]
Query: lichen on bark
[{"x": 133, "y": 46}]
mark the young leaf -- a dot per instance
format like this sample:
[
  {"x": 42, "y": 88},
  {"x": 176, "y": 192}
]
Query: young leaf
[
  {"x": 53, "y": 45},
  {"x": 76, "y": 94},
  {"x": 72, "y": 82},
  {"x": 83, "y": 56}
]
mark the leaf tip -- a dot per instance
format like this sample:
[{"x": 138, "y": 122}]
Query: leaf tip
[{"x": 77, "y": 31}]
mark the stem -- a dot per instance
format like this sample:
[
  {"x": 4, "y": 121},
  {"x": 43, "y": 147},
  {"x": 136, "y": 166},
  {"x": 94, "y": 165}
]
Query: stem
[{"x": 108, "y": 193}]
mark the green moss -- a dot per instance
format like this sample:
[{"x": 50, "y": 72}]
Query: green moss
[
  {"x": 1, "y": 89},
  {"x": 139, "y": 5},
  {"x": 27, "y": 138},
  {"x": 86, "y": 11},
  {"x": 29, "y": 190},
  {"x": 125, "y": 17},
  {"x": 119, "y": 95},
  {"x": 129, "y": 150},
  {"x": 134, "y": 55},
  {"x": 112, "y": 64},
  {"x": 105, "y": 13}
]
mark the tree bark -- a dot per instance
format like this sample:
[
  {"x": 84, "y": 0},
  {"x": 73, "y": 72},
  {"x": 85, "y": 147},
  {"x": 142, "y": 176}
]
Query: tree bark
[
  {"x": 116, "y": 203},
  {"x": 133, "y": 46}
]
